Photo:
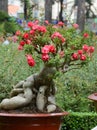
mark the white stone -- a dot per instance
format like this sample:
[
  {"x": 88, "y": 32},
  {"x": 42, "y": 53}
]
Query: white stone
[
  {"x": 95, "y": 128},
  {"x": 51, "y": 108}
]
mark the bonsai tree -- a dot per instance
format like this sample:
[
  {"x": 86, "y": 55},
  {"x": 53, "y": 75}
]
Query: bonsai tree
[{"x": 60, "y": 49}]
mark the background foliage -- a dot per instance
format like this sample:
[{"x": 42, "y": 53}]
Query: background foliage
[
  {"x": 80, "y": 121},
  {"x": 7, "y": 24}
]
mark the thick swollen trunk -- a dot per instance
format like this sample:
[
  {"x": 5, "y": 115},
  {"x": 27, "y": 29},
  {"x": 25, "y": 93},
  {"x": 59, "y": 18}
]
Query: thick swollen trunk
[{"x": 39, "y": 87}]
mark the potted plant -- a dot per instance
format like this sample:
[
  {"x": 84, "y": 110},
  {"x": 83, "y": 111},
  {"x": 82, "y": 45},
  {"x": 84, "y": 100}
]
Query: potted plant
[{"x": 60, "y": 49}]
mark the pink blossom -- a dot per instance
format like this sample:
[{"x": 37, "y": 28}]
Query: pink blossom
[
  {"x": 45, "y": 57},
  {"x": 52, "y": 48},
  {"x": 46, "y": 21},
  {"x": 58, "y": 35},
  {"x": 18, "y": 33},
  {"x": 22, "y": 43},
  {"x": 45, "y": 49},
  {"x": 55, "y": 26},
  {"x": 80, "y": 52},
  {"x": 85, "y": 48},
  {"x": 63, "y": 39},
  {"x": 83, "y": 57},
  {"x": 30, "y": 60},
  {"x": 26, "y": 35},
  {"x": 15, "y": 38},
  {"x": 20, "y": 47},
  {"x": 86, "y": 35},
  {"x": 91, "y": 49},
  {"x": 41, "y": 29},
  {"x": 76, "y": 26},
  {"x": 60, "y": 23},
  {"x": 75, "y": 56},
  {"x": 32, "y": 32},
  {"x": 35, "y": 27},
  {"x": 28, "y": 41},
  {"x": 61, "y": 53},
  {"x": 30, "y": 24},
  {"x": 36, "y": 21}
]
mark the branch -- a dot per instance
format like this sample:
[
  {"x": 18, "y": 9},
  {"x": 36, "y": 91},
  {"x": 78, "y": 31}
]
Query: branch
[{"x": 69, "y": 69}]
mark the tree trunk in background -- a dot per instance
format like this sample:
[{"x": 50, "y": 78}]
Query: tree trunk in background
[
  {"x": 4, "y": 5},
  {"x": 81, "y": 14},
  {"x": 25, "y": 10},
  {"x": 61, "y": 11},
  {"x": 48, "y": 10}
]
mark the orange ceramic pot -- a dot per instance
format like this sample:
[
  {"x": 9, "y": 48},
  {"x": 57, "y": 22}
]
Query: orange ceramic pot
[{"x": 31, "y": 121}]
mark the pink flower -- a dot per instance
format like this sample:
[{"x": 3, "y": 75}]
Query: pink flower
[
  {"x": 55, "y": 35},
  {"x": 36, "y": 21},
  {"x": 32, "y": 32},
  {"x": 82, "y": 57},
  {"x": 35, "y": 27},
  {"x": 75, "y": 56},
  {"x": 61, "y": 53},
  {"x": 30, "y": 60},
  {"x": 30, "y": 24},
  {"x": 59, "y": 36},
  {"x": 26, "y": 35},
  {"x": 45, "y": 49},
  {"x": 20, "y": 47},
  {"x": 55, "y": 26},
  {"x": 18, "y": 33},
  {"x": 46, "y": 21},
  {"x": 63, "y": 39},
  {"x": 45, "y": 57},
  {"x": 52, "y": 49},
  {"x": 86, "y": 35},
  {"x": 41, "y": 29},
  {"x": 91, "y": 49},
  {"x": 80, "y": 52},
  {"x": 28, "y": 41},
  {"x": 60, "y": 23},
  {"x": 15, "y": 38},
  {"x": 85, "y": 48},
  {"x": 22, "y": 43},
  {"x": 76, "y": 26}
]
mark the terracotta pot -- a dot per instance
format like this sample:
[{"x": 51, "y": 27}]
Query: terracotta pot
[
  {"x": 31, "y": 121},
  {"x": 93, "y": 97}
]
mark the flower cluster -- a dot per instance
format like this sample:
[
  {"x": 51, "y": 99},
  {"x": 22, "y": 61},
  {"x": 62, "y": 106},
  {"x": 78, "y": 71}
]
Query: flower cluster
[
  {"x": 57, "y": 45},
  {"x": 84, "y": 53}
]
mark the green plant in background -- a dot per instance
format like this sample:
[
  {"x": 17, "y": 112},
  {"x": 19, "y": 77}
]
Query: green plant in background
[
  {"x": 8, "y": 25},
  {"x": 80, "y": 121},
  {"x": 3, "y": 16}
]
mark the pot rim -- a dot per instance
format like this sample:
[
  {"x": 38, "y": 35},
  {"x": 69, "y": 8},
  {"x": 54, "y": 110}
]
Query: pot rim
[
  {"x": 93, "y": 97},
  {"x": 34, "y": 115}
]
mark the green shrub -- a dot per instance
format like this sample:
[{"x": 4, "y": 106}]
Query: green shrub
[
  {"x": 3, "y": 16},
  {"x": 80, "y": 121},
  {"x": 8, "y": 24},
  {"x": 11, "y": 27}
]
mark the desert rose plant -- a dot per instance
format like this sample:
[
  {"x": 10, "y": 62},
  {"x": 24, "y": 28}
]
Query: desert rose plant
[{"x": 61, "y": 49}]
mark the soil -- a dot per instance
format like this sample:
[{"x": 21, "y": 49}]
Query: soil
[{"x": 30, "y": 109}]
